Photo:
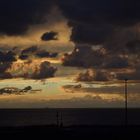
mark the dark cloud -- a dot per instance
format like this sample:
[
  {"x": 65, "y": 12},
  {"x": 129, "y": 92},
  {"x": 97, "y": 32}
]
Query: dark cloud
[
  {"x": 83, "y": 56},
  {"x": 133, "y": 46},
  {"x": 91, "y": 33},
  {"x": 102, "y": 76},
  {"x": 94, "y": 75},
  {"x": 92, "y": 21},
  {"x": 49, "y": 36},
  {"x": 134, "y": 75},
  {"x": 29, "y": 50},
  {"x": 16, "y": 16},
  {"x": 14, "y": 90},
  {"x": 7, "y": 56},
  {"x": 45, "y": 71},
  {"x": 3, "y": 70},
  {"x": 86, "y": 57},
  {"x": 4, "y": 66},
  {"x": 36, "y": 52},
  {"x": 23, "y": 57},
  {"x": 112, "y": 24},
  {"x": 115, "y": 62},
  {"x": 42, "y": 70},
  {"x": 97, "y": 11},
  {"x": 44, "y": 53},
  {"x": 6, "y": 61}
]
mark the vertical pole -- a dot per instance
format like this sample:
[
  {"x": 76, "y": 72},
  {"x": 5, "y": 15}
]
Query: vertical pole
[
  {"x": 61, "y": 125},
  {"x": 57, "y": 119},
  {"x": 126, "y": 103}
]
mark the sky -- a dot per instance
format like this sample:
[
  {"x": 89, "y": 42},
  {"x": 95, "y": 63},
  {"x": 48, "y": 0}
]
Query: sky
[{"x": 73, "y": 53}]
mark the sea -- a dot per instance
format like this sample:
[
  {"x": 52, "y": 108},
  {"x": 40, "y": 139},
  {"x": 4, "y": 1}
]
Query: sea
[{"x": 68, "y": 117}]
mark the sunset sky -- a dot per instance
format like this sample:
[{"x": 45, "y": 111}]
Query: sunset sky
[{"x": 72, "y": 53}]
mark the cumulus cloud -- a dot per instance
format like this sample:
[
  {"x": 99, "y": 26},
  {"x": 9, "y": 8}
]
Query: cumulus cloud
[
  {"x": 85, "y": 56},
  {"x": 45, "y": 71},
  {"x": 32, "y": 70},
  {"x": 6, "y": 61},
  {"x": 94, "y": 75},
  {"x": 112, "y": 24},
  {"x": 3, "y": 70},
  {"x": 10, "y": 68},
  {"x": 9, "y": 56},
  {"x": 134, "y": 75}
]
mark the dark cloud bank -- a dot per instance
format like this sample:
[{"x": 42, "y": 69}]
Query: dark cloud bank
[
  {"x": 16, "y": 16},
  {"x": 35, "y": 51},
  {"x": 112, "y": 25},
  {"x": 7, "y": 59}
]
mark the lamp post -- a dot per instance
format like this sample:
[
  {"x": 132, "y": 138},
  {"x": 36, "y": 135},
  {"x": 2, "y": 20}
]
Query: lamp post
[
  {"x": 57, "y": 119},
  {"x": 126, "y": 103}
]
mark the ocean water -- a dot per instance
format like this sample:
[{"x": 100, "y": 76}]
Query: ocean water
[{"x": 30, "y": 117}]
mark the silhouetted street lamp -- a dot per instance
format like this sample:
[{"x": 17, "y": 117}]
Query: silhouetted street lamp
[{"x": 57, "y": 119}]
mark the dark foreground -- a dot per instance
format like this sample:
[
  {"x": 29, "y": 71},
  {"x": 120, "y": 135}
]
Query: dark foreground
[
  {"x": 79, "y": 132},
  {"x": 70, "y": 117},
  {"x": 77, "y": 123}
]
